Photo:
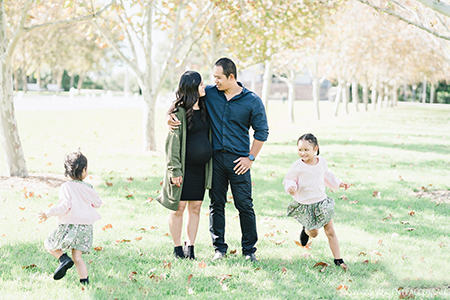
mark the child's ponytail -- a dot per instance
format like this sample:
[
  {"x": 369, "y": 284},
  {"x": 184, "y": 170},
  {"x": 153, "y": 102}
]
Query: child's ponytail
[{"x": 74, "y": 164}]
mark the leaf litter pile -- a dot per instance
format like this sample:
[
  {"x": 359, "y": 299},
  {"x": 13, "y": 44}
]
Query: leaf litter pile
[{"x": 438, "y": 196}]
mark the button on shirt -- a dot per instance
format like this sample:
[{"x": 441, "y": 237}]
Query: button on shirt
[{"x": 231, "y": 120}]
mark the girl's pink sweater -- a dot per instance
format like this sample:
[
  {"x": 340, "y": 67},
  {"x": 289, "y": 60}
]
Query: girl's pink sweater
[
  {"x": 77, "y": 204},
  {"x": 310, "y": 181}
]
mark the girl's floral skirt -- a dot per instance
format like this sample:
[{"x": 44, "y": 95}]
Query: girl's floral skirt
[
  {"x": 71, "y": 236},
  {"x": 312, "y": 216}
]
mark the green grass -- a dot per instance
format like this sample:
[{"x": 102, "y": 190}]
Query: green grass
[{"x": 394, "y": 151}]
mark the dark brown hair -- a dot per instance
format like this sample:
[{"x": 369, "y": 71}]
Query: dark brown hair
[
  {"x": 228, "y": 67},
  {"x": 310, "y": 138},
  {"x": 74, "y": 164}
]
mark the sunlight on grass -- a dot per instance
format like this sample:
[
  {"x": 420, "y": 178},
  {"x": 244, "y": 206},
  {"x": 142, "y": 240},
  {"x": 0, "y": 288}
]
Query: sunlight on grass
[{"x": 391, "y": 240}]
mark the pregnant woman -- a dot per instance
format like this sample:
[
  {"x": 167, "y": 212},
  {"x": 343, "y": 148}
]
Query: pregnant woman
[{"x": 188, "y": 161}]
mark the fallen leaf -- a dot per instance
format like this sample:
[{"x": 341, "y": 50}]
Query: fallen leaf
[
  {"x": 343, "y": 197},
  {"x": 23, "y": 219},
  {"x": 376, "y": 194},
  {"x": 411, "y": 213},
  {"x": 322, "y": 264},
  {"x": 284, "y": 270},
  {"x": 388, "y": 217},
  {"x": 138, "y": 238},
  {"x": 406, "y": 295},
  {"x": 202, "y": 264},
  {"x": 404, "y": 222},
  {"x": 442, "y": 244},
  {"x": 422, "y": 259},
  {"x": 122, "y": 241},
  {"x": 98, "y": 248},
  {"x": 277, "y": 242},
  {"x": 233, "y": 251},
  {"x": 131, "y": 275},
  {"x": 380, "y": 242},
  {"x": 376, "y": 252},
  {"x": 353, "y": 202},
  {"x": 21, "y": 208},
  {"x": 167, "y": 234},
  {"x": 167, "y": 265},
  {"x": 30, "y": 266},
  {"x": 362, "y": 253},
  {"x": 410, "y": 229},
  {"x": 404, "y": 257},
  {"x": 342, "y": 287},
  {"x": 149, "y": 199},
  {"x": 50, "y": 205},
  {"x": 109, "y": 183},
  {"x": 108, "y": 226},
  {"x": 365, "y": 261},
  {"x": 130, "y": 195},
  {"x": 90, "y": 262},
  {"x": 189, "y": 278},
  {"x": 130, "y": 179},
  {"x": 154, "y": 227},
  {"x": 160, "y": 183},
  {"x": 298, "y": 243}
]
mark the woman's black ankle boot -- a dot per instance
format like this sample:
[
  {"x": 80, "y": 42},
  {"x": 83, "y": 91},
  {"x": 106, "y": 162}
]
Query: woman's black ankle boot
[
  {"x": 190, "y": 252},
  {"x": 178, "y": 252}
]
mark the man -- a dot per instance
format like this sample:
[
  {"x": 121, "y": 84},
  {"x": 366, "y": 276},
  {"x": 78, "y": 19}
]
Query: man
[{"x": 233, "y": 109}]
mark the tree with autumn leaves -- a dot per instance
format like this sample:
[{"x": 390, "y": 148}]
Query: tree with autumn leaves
[{"x": 18, "y": 18}]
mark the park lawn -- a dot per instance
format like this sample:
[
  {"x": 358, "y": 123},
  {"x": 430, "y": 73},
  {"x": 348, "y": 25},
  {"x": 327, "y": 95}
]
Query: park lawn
[{"x": 394, "y": 242}]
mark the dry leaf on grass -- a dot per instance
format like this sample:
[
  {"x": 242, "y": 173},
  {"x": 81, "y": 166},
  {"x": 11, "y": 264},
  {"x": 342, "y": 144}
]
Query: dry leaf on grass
[
  {"x": 322, "y": 264},
  {"x": 189, "y": 278},
  {"x": 108, "y": 226},
  {"x": 98, "y": 248},
  {"x": 342, "y": 287},
  {"x": 202, "y": 264}
]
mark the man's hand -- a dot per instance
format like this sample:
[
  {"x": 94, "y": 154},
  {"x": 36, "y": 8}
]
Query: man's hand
[
  {"x": 177, "y": 181},
  {"x": 243, "y": 164},
  {"x": 173, "y": 122}
]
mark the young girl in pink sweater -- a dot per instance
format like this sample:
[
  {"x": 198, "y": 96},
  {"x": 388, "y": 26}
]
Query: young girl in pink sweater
[
  {"x": 306, "y": 181},
  {"x": 76, "y": 214}
]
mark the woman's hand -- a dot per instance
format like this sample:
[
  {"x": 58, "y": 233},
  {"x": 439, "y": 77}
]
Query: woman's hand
[
  {"x": 177, "y": 181},
  {"x": 42, "y": 216},
  {"x": 173, "y": 122},
  {"x": 345, "y": 185}
]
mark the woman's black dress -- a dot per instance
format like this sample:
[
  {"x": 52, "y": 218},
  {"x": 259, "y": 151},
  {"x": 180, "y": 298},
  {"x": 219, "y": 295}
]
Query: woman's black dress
[{"x": 198, "y": 153}]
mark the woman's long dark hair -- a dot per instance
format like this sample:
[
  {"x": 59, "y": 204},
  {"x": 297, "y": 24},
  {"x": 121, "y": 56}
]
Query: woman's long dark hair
[{"x": 187, "y": 95}]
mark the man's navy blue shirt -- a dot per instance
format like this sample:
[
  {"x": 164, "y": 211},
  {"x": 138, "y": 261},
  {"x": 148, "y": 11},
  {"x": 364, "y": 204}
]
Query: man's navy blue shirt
[{"x": 231, "y": 120}]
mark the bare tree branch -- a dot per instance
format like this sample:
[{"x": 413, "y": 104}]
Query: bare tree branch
[{"x": 388, "y": 11}]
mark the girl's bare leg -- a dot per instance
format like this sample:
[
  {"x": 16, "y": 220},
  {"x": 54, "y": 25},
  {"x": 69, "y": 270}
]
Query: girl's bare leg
[
  {"x": 176, "y": 223},
  {"x": 332, "y": 240},
  {"x": 79, "y": 263},
  {"x": 55, "y": 253},
  {"x": 193, "y": 219}
]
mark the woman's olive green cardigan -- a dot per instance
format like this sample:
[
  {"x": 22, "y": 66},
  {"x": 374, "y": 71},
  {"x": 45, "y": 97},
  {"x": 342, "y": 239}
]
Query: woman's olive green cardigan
[{"x": 175, "y": 157}]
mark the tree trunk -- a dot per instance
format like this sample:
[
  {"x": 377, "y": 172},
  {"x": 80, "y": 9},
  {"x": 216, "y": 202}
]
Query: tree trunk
[
  {"x": 148, "y": 117},
  {"x": 365, "y": 89},
  {"x": 253, "y": 83},
  {"x": 316, "y": 94},
  {"x": 337, "y": 99},
  {"x": 80, "y": 82},
  {"x": 380, "y": 93},
  {"x": 394, "y": 94},
  {"x": 355, "y": 96},
  {"x": 424, "y": 90},
  {"x": 16, "y": 80},
  {"x": 345, "y": 95},
  {"x": 24, "y": 81},
  {"x": 373, "y": 96},
  {"x": 126, "y": 83},
  {"x": 386, "y": 96},
  {"x": 432, "y": 91},
  {"x": 15, "y": 160},
  {"x": 291, "y": 95},
  {"x": 267, "y": 82},
  {"x": 38, "y": 77},
  {"x": 72, "y": 81},
  {"x": 59, "y": 78},
  {"x": 405, "y": 92}
]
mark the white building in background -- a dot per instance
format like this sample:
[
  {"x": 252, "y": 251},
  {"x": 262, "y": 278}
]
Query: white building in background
[{"x": 252, "y": 78}]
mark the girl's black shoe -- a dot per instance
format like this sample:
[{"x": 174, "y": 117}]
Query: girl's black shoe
[
  {"x": 65, "y": 263},
  {"x": 84, "y": 281},
  {"x": 304, "y": 237},
  {"x": 340, "y": 262},
  {"x": 178, "y": 252}
]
